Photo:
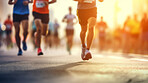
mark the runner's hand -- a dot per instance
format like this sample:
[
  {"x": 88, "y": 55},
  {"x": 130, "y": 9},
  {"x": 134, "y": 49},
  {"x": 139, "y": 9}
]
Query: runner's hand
[{"x": 11, "y": 2}]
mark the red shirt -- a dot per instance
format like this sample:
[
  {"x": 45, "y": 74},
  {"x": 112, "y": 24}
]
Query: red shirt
[
  {"x": 8, "y": 23},
  {"x": 40, "y": 7}
]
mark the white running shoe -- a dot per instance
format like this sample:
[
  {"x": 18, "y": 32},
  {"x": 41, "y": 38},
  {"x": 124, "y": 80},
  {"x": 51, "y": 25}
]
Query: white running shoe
[{"x": 86, "y": 55}]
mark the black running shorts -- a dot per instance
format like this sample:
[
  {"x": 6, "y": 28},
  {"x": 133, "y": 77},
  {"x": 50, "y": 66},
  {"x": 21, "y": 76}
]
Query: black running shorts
[
  {"x": 69, "y": 32},
  {"x": 19, "y": 18},
  {"x": 44, "y": 17}
]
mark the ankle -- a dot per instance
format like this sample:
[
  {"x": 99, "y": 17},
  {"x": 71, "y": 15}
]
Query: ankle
[
  {"x": 83, "y": 45},
  {"x": 88, "y": 48}
]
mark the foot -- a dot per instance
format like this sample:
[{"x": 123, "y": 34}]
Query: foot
[
  {"x": 68, "y": 49},
  {"x": 40, "y": 52},
  {"x": 20, "y": 53},
  {"x": 24, "y": 46},
  {"x": 86, "y": 55}
]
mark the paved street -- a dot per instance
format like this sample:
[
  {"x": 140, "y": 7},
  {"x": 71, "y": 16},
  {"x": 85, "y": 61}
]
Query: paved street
[{"x": 56, "y": 66}]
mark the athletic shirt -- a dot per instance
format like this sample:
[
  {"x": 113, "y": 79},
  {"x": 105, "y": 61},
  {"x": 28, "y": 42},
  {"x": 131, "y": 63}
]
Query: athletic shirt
[
  {"x": 20, "y": 8},
  {"x": 70, "y": 18},
  {"x": 86, "y": 4},
  {"x": 40, "y": 7},
  {"x": 8, "y": 24}
]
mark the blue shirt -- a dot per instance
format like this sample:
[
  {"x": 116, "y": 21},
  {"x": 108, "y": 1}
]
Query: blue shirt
[{"x": 20, "y": 8}]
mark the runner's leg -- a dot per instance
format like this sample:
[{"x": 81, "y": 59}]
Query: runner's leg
[
  {"x": 17, "y": 34},
  {"x": 92, "y": 22},
  {"x": 25, "y": 29},
  {"x": 38, "y": 35},
  {"x": 25, "y": 33}
]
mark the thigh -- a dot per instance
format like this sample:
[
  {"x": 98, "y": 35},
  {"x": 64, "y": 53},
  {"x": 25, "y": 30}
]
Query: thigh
[
  {"x": 16, "y": 26},
  {"x": 38, "y": 23},
  {"x": 25, "y": 24}
]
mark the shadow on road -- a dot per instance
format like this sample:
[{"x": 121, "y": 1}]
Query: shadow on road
[{"x": 51, "y": 74}]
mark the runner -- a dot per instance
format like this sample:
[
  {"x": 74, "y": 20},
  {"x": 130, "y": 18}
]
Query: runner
[
  {"x": 144, "y": 34},
  {"x": 56, "y": 34},
  {"x": 69, "y": 19},
  {"x": 41, "y": 17},
  {"x": 20, "y": 15},
  {"x": 87, "y": 14},
  {"x": 8, "y": 23},
  {"x": 101, "y": 26}
]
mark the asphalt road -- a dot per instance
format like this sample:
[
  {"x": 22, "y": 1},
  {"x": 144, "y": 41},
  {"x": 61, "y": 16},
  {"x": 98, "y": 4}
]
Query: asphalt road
[{"x": 56, "y": 66}]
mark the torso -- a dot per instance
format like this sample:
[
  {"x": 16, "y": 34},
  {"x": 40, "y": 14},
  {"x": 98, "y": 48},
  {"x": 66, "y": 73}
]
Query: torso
[
  {"x": 20, "y": 8},
  {"x": 70, "y": 18},
  {"x": 40, "y": 7},
  {"x": 87, "y": 4}
]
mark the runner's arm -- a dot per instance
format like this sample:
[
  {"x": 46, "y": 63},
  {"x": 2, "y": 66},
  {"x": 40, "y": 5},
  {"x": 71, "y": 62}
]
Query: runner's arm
[
  {"x": 64, "y": 19},
  {"x": 11, "y": 2},
  {"x": 53, "y": 1}
]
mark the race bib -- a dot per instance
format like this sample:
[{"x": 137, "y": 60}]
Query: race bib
[
  {"x": 88, "y": 1},
  {"x": 40, "y": 4}
]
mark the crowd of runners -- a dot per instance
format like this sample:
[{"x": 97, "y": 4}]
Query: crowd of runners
[
  {"x": 131, "y": 38},
  {"x": 86, "y": 12}
]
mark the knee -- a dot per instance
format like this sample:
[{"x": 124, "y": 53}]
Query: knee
[
  {"x": 25, "y": 31},
  {"x": 38, "y": 23},
  {"x": 92, "y": 22},
  {"x": 38, "y": 31},
  {"x": 44, "y": 34}
]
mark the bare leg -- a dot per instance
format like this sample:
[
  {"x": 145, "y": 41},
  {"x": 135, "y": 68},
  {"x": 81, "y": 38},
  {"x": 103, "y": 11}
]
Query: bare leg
[
  {"x": 38, "y": 35},
  {"x": 83, "y": 34},
  {"x": 17, "y": 34},
  {"x": 25, "y": 29},
  {"x": 92, "y": 22}
]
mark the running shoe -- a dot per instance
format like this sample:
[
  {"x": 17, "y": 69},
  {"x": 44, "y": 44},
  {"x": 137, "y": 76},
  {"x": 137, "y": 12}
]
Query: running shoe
[
  {"x": 20, "y": 52},
  {"x": 86, "y": 55},
  {"x": 24, "y": 46},
  {"x": 83, "y": 53},
  {"x": 40, "y": 52}
]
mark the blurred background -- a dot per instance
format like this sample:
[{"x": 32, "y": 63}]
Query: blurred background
[{"x": 124, "y": 31}]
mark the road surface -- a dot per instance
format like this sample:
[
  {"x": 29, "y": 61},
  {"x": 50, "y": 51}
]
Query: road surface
[{"x": 56, "y": 66}]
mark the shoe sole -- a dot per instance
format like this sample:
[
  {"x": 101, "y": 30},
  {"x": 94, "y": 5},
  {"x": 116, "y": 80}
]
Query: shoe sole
[
  {"x": 19, "y": 55},
  {"x": 40, "y": 54},
  {"x": 24, "y": 49},
  {"x": 88, "y": 56}
]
